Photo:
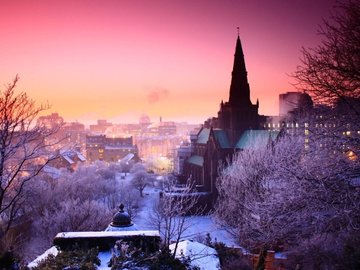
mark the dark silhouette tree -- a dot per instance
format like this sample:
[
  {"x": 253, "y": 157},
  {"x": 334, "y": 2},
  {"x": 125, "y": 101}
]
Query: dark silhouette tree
[
  {"x": 331, "y": 71},
  {"x": 23, "y": 152}
]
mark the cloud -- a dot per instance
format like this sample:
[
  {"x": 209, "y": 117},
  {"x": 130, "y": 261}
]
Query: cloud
[{"x": 156, "y": 94}]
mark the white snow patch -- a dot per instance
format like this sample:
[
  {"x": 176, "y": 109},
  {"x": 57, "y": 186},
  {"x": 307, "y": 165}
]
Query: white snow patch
[
  {"x": 200, "y": 255},
  {"x": 106, "y": 234},
  {"x": 53, "y": 250},
  {"x": 104, "y": 257}
]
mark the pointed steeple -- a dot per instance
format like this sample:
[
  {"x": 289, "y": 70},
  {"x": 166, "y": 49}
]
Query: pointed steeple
[{"x": 239, "y": 88}]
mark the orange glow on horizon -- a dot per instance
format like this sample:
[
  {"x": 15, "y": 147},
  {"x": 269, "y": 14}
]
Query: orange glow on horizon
[{"x": 120, "y": 59}]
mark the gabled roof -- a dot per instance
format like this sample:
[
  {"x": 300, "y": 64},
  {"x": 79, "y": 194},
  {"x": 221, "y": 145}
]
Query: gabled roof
[
  {"x": 222, "y": 138},
  {"x": 196, "y": 160},
  {"x": 69, "y": 156},
  {"x": 80, "y": 156},
  {"x": 255, "y": 138},
  {"x": 203, "y": 136},
  {"x": 127, "y": 158},
  {"x": 68, "y": 159}
]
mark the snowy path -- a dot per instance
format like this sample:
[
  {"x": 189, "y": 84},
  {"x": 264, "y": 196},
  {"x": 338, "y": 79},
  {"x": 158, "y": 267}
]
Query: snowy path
[{"x": 200, "y": 225}]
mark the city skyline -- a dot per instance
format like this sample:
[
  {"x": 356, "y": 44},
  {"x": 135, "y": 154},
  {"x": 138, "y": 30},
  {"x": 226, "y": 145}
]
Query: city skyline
[{"x": 119, "y": 59}]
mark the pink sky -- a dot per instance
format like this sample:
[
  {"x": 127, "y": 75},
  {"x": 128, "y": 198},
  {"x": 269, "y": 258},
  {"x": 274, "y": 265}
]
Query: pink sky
[{"x": 118, "y": 59}]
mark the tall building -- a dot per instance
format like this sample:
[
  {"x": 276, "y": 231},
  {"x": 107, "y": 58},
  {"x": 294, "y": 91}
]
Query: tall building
[
  {"x": 291, "y": 101},
  {"x": 238, "y": 114},
  {"x": 238, "y": 126}
]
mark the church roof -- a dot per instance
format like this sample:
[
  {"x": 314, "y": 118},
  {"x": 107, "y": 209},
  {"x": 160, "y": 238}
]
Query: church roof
[
  {"x": 203, "y": 136},
  {"x": 196, "y": 160},
  {"x": 222, "y": 138},
  {"x": 239, "y": 87},
  {"x": 255, "y": 138}
]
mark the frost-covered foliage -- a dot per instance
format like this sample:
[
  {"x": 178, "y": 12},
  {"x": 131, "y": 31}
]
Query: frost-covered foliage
[
  {"x": 74, "y": 259},
  {"x": 84, "y": 200},
  {"x": 141, "y": 178},
  {"x": 288, "y": 195},
  {"x": 126, "y": 256}
]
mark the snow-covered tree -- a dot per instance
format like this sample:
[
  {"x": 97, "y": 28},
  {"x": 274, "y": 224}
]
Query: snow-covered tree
[
  {"x": 171, "y": 214},
  {"x": 289, "y": 195},
  {"x": 140, "y": 178},
  {"x": 82, "y": 200}
]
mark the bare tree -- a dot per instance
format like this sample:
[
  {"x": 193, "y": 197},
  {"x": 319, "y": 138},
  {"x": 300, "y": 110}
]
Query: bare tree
[
  {"x": 288, "y": 195},
  {"x": 140, "y": 178},
  {"x": 23, "y": 151},
  {"x": 172, "y": 212},
  {"x": 331, "y": 71},
  {"x": 126, "y": 166}
]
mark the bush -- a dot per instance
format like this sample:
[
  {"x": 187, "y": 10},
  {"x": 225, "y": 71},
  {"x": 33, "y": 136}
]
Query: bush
[{"x": 75, "y": 259}]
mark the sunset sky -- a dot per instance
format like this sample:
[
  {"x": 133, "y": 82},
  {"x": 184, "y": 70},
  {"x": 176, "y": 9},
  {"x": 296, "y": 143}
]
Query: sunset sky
[{"x": 118, "y": 59}]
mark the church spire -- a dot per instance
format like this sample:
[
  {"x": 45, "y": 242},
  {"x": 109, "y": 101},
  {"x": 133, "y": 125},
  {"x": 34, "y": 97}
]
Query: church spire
[{"x": 239, "y": 88}]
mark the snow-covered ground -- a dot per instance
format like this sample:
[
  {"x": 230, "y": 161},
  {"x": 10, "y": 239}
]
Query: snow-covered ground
[
  {"x": 200, "y": 225},
  {"x": 200, "y": 255}
]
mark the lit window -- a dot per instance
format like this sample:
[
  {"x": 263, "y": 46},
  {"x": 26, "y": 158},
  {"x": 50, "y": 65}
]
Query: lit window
[
  {"x": 306, "y": 132},
  {"x": 348, "y": 133},
  {"x": 306, "y": 124}
]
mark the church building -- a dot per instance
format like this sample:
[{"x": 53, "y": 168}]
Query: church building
[{"x": 238, "y": 126}]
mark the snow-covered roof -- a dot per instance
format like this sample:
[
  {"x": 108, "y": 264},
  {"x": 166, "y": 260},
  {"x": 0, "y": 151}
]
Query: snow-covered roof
[
  {"x": 80, "y": 156},
  {"x": 68, "y": 159},
  {"x": 200, "y": 255},
  {"x": 118, "y": 147},
  {"x": 68, "y": 155},
  {"x": 203, "y": 136},
  {"x": 51, "y": 251},
  {"x": 253, "y": 139},
  {"x": 111, "y": 228},
  {"x": 128, "y": 157},
  {"x": 51, "y": 171},
  {"x": 106, "y": 234}
]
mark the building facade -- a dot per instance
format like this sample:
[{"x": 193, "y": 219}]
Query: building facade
[{"x": 100, "y": 147}]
